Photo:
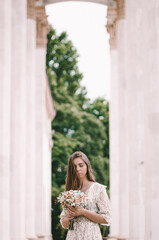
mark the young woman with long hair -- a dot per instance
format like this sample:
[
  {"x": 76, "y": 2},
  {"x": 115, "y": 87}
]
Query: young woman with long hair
[{"x": 80, "y": 177}]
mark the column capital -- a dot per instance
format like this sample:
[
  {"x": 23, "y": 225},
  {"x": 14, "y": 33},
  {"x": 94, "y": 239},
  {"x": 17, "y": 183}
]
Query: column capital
[
  {"x": 31, "y": 9},
  {"x": 111, "y": 26},
  {"x": 42, "y": 27},
  {"x": 114, "y": 14},
  {"x": 121, "y": 9}
]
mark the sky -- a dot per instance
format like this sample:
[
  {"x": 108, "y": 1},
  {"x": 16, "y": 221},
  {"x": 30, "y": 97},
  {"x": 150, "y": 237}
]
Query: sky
[{"x": 85, "y": 25}]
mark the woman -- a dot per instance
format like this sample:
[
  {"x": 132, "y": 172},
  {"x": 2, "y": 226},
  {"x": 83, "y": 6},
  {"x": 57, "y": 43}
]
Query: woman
[{"x": 79, "y": 176}]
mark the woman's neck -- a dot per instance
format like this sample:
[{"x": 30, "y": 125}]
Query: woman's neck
[{"x": 84, "y": 182}]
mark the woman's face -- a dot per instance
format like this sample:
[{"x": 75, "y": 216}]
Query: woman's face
[{"x": 81, "y": 167}]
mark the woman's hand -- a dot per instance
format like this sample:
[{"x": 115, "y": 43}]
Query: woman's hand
[
  {"x": 75, "y": 211},
  {"x": 70, "y": 216}
]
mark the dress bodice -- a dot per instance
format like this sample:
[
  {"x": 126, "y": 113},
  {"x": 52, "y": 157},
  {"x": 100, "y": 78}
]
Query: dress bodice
[{"x": 84, "y": 229}]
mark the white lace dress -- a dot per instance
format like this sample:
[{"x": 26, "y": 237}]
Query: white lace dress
[{"x": 85, "y": 229}]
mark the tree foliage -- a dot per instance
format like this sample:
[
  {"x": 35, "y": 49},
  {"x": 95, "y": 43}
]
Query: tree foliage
[{"x": 79, "y": 125}]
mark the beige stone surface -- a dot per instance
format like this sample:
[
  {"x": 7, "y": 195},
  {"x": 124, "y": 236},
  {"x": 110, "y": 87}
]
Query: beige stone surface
[
  {"x": 114, "y": 144},
  {"x": 24, "y": 98},
  {"x": 30, "y": 117},
  {"x": 138, "y": 44},
  {"x": 18, "y": 121},
  {"x": 5, "y": 85}
]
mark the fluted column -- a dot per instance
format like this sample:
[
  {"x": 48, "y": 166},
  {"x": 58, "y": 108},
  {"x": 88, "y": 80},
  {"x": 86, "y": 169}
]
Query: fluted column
[
  {"x": 114, "y": 124},
  {"x": 123, "y": 123},
  {"x": 114, "y": 146},
  {"x": 119, "y": 149},
  {"x": 41, "y": 159},
  {"x": 5, "y": 81},
  {"x": 47, "y": 141},
  {"x": 139, "y": 53},
  {"x": 149, "y": 164},
  {"x": 136, "y": 112},
  {"x": 18, "y": 121},
  {"x": 30, "y": 117}
]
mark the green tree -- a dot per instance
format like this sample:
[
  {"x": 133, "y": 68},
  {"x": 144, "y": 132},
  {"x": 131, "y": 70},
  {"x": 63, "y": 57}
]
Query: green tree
[{"x": 79, "y": 123}]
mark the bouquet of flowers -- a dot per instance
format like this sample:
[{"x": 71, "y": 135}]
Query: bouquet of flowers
[{"x": 73, "y": 198}]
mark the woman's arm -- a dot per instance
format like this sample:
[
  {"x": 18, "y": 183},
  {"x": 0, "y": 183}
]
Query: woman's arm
[
  {"x": 66, "y": 220},
  {"x": 94, "y": 217}
]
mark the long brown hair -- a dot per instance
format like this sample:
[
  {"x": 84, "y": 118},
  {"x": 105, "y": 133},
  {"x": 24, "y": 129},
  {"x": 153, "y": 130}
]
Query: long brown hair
[{"x": 72, "y": 181}]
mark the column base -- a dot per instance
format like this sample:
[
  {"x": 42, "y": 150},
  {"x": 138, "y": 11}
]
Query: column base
[
  {"x": 48, "y": 237},
  {"x": 122, "y": 238},
  {"x": 127, "y": 238},
  {"x": 116, "y": 238},
  {"x": 111, "y": 238},
  {"x": 18, "y": 238},
  {"x": 31, "y": 238}
]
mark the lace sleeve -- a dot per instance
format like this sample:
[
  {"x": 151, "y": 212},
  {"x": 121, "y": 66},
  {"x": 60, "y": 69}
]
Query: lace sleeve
[
  {"x": 103, "y": 205},
  {"x": 62, "y": 216}
]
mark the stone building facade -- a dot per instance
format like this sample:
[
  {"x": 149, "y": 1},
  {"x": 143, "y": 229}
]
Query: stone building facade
[{"x": 26, "y": 112}]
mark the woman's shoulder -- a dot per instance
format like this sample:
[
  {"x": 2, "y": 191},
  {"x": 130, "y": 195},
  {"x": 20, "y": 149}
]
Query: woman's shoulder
[{"x": 99, "y": 186}]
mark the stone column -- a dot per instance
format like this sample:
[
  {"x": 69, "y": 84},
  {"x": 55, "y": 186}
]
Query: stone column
[
  {"x": 123, "y": 120},
  {"x": 114, "y": 124},
  {"x": 140, "y": 51},
  {"x": 30, "y": 117},
  {"x": 48, "y": 143},
  {"x": 118, "y": 124},
  {"x": 114, "y": 146},
  {"x": 42, "y": 30},
  {"x": 143, "y": 85},
  {"x": 18, "y": 121},
  {"x": 136, "y": 112},
  {"x": 5, "y": 82},
  {"x": 148, "y": 91}
]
